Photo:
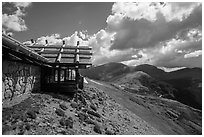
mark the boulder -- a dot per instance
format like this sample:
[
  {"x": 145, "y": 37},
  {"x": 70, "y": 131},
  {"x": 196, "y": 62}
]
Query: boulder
[
  {"x": 69, "y": 122},
  {"x": 93, "y": 107},
  {"x": 21, "y": 132},
  {"x": 89, "y": 121},
  {"x": 74, "y": 105},
  {"x": 7, "y": 94},
  {"x": 100, "y": 99},
  {"x": 108, "y": 132},
  {"x": 31, "y": 114},
  {"x": 97, "y": 128},
  {"x": 27, "y": 126},
  {"x": 59, "y": 112},
  {"x": 63, "y": 106},
  {"x": 10, "y": 82},
  {"x": 96, "y": 114},
  {"x": 82, "y": 116},
  {"x": 66, "y": 122}
]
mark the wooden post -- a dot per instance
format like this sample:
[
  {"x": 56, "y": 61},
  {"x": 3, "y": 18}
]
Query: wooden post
[
  {"x": 65, "y": 74},
  {"x": 77, "y": 67},
  {"x": 77, "y": 53},
  {"x": 58, "y": 75}
]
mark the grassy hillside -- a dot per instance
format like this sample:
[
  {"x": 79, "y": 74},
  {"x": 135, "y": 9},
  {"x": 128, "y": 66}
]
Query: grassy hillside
[{"x": 183, "y": 85}]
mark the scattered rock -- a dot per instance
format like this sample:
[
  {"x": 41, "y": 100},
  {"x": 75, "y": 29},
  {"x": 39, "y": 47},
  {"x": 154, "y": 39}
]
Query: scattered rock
[
  {"x": 36, "y": 110},
  {"x": 97, "y": 128},
  {"x": 98, "y": 119},
  {"x": 82, "y": 116},
  {"x": 55, "y": 125},
  {"x": 59, "y": 112},
  {"x": 96, "y": 114},
  {"x": 62, "y": 121},
  {"x": 84, "y": 110},
  {"x": 74, "y": 105},
  {"x": 31, "y": 114},
  {"x": 94, "y": 96},
  {"x": 108, "y": 132},
  {"x": 5, "y": 128},
  {"x": 63, "y": 106},
  {"x": 27, "y": 126},
  {"x": 67, "y": 122},
  {"x": 93, "y": 107},
  {"x": 21, "y": 132},
  {"x": 79, "y": 90},
  {"x": 14, "y": 127},
  {"x": 135, "y": 127},
  {"x": 81, "y": 98},
  {"x": 41, "y": 124},
  {"x": 100, "y": 99},
  {"x": 89, "y": 121},
  {"x": 61, "y": 131}
]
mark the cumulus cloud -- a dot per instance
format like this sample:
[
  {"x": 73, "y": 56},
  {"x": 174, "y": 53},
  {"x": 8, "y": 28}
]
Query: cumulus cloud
[
  {"x": 166, "y": 35},
  {"x": 52, "y": 39},
  {"x": 162, "y": 34},
  {"x": 193, "y": 54},
  {"x": 171, "y": 54},
  {"x": 142, "y": 33},
  {"x": 15, "y": 21},
  {"x": 55, "y": 39},
  {"x": 22, "y": 4}
]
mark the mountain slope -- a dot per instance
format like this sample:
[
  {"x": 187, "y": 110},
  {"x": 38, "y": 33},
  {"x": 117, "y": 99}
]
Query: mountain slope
[
  {"x": 187, "y": 81},
  {"x": 143, "y": 84},
  {"x": 106, "y": 71},
  {"x": 169, "y": 116},
  {"x": 151, "y": 70},
  {"x": 89, "y": 112}
]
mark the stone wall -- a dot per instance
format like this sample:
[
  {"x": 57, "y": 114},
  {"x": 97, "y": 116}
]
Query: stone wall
[{"x": 18, "y": 79}]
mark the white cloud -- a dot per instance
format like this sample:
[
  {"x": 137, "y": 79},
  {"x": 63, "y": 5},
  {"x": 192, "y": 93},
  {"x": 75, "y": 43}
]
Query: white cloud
[
  {"x": 144, "y": 31},
  {"x": 193, "y": 54},
  {"x": 52, "y": 39},
  {"x": 22, "y": 4},
  {"x": 15, "y": 21},
  {"x": 165, "y": 35},
  {"x": 149, "y": 11}
]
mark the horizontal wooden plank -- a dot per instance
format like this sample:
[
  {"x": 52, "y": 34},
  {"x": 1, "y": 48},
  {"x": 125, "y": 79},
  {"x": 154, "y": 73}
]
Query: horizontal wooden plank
[
  {"x": 69, "y": 57},
  {"x": 59, "y": 46},
  {"x": 66, "y": 52},
  {"x": 70, "y": 64}
]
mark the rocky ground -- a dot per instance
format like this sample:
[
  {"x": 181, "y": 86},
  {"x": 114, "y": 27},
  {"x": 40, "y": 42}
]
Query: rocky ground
[
  {"x": 91, "y": 111},
  {"x": 168, "y": 116}
]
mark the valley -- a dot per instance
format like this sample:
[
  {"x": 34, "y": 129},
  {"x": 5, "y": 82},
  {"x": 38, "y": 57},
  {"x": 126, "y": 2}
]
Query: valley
[{"x": 182, "y": 85}]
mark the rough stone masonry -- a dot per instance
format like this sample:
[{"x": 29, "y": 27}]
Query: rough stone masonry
[{"x": 19, "y": 79}]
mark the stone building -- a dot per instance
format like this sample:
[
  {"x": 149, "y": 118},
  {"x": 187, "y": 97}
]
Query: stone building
[{"x": 35, "y": 67}]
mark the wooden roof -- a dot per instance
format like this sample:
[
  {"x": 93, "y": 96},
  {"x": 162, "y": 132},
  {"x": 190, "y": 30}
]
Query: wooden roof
[
  {"x": 15, "y": 49},
  {"x": 64, "y": 54}
]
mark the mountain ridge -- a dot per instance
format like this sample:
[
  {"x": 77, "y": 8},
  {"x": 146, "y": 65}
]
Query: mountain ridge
[{"x": 186, "y": 81}]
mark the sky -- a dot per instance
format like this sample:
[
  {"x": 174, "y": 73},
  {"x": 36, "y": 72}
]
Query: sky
[{"x": 167, "y": 35}]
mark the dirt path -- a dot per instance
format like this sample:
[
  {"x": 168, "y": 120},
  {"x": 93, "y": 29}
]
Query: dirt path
[{"x": 139, "y": 108}]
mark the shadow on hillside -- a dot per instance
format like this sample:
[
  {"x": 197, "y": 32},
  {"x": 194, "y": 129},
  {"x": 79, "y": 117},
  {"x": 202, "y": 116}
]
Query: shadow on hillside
[{"x": 66, "y": 96}]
